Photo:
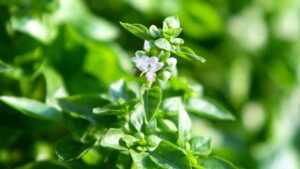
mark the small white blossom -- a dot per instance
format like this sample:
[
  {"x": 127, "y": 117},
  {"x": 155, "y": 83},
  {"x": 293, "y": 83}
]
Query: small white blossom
[
  {"x": 148, "y": 66},
  {"x": 172, "y": 62}
]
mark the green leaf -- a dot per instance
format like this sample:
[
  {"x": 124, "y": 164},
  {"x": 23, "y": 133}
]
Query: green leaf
[
  {"x": 78, "y": 126},
  {"x": 110, "y": 110},
  {"x": 189, "y": 54},
  {"x": 217, "y": 163},
  {"x": 138, "y": 30},
  {"x": 207, "y": 108},
  {"x": 120, "y": 92},
  {"x": 152, "y": 98},
  {"x": 82, "y": 105},
  {"x": 169, "y": 156},
  {"x": 167, "y": 125},
  {"x": 137, "y": 117},
  {"x": 43, "y": 165},
  {"x": 184, "y": 124},
  {"x": 143, "y": 161},
  {"x": 55, "y": 86},
  {"x": 33, "y": 108},
  {"x": 200, "y": 146},
  {"x": 163, "y": 43},
  {"x": 68, "y": 149},
  {"x": 3, "y": 67},
  {"x": 111, "y": 139}
]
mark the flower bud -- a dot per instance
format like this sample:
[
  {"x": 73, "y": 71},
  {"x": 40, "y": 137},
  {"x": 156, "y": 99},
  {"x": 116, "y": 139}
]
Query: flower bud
[
  {"x": 172, "y": 62},
  {"x": 166, "y": 75}
]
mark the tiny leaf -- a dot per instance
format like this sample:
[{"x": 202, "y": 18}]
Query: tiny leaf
[
  {"x": 33, "y": 108},
  {"x": 200, "y": 146},
  {"x": 152, "y": 98},
  {"x": 138, "y": 30},
  {"x": 163, "y": 43},
  {"x": 187, "y": 53}
]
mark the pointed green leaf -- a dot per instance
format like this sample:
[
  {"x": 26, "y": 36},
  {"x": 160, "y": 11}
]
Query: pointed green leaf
[
  {"x": 111, "y": 139},
  {"x": 169, "y": 156},
  {"x": 68, "y": 150},
  {"x": 33, "y": 108},
  {"x": 217, "y": 163},
  {"x": 208, "y": 108},
  {"x": 138, "y": 30},
  {"x": 163, "y": 43},
  {"x": 152, "y": 98},
  {"x": 200, "y": 146},
  {"x": 187, "y": 53}
]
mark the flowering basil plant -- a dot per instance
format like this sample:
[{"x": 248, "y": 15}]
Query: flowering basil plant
[{"x": 143, "y": 124}]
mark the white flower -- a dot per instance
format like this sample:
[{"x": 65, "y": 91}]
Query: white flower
[
  {"x": 148, "y": 66},
  {"x": 172, "y": 62}
]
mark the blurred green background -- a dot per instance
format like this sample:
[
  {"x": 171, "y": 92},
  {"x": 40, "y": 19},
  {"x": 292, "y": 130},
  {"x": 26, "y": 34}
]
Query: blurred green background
[{"x": 252, "y": 49}]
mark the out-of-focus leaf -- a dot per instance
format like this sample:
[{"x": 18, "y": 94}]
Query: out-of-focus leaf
[
  {"x": 167, "y": 155},
  {"x": 152, "y": 98},
  {"x": 187, "y": 53},
  {"x": 88, "y": 24},
  {"x": 195, "y": 22},
  {"x": 33, "y": 108},
  {"x": 77, "y": 126},
  {"x": 120, "y": 91},
  {"x": 109, "y": 110},
  {"x": 69, "y": 150},
  {"x": 8, "y": 136},
  {"x": 200, "y": 146},
  {"x": 3, "y": 67},
  {"x": 39, "y": 29},
  {"x": 142, "y": 160},
  {"x": 167, "y": 125},
  {"x": 111, "y": 139},
  {"x": 82, "y": 105},
  {"x": 217, "y": 163},
  {"x": 163, "y": 43},
  {"x": 138, "y": 30},
  {"x": 43, "y": 165},
  {"x": 207, "y": 108},
  {"x": 55, "y": 86}
]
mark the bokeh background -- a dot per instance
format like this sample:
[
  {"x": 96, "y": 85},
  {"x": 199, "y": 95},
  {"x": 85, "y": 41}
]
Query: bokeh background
[{"x": 252, "y": 48}]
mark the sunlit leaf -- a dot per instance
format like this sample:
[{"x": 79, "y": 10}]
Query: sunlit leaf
[
  {"x": 200, "y": 146},
  {"x": 208, "y": 108},
  {"x": 152, "y": 98},
  {"x": 142, "y": 160},
  {"x": 167, "y": 155},
  {"x": 33, "y": 108},
  {"x": 187, "y": 53},
  {"x": 163, "y": 43},
  {"x": 138, "y": 30},
  {"x": 111, "y": 139},
  {"x": 217, "y": 163}
]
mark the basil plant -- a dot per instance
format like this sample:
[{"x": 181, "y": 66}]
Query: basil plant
[{"x": 141, "y": 124}]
